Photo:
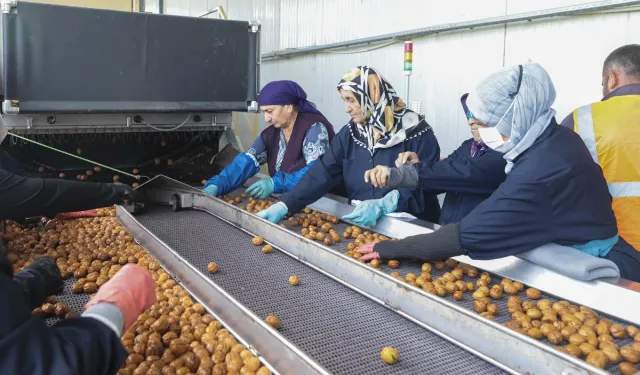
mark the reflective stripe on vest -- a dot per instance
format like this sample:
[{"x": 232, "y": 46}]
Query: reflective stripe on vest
[
  {"x": 585, "y": 129},
  {"x": 624, "y": 189}
]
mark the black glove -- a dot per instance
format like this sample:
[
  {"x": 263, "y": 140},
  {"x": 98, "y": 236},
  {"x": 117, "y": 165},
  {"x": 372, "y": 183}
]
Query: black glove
[
  {"x": 441, "y": 244},
  {"x": 128, "y": 194},
  {"x": 40, "y": 279}
]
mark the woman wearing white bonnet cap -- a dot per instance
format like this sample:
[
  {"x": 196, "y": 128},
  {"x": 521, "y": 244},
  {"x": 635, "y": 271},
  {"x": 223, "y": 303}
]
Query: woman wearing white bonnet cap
[{"x": 554, "y": 192}]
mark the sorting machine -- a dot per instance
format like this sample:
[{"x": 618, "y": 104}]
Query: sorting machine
[
  {"x": 125, "y": 90},
  {"x": 344, "y": 311},
  {"x": 152, "y": 71}
]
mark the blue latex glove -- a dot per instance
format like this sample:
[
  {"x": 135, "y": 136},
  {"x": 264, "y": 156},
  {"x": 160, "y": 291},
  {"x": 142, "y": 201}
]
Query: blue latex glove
[
  {"x": 211, "y": 190},
  {"x": 274, "y": 213},
  {"x": 261, "y": 189},
  {"x": 366, "y": 213}
]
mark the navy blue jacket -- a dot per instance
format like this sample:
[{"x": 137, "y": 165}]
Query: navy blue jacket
[
  {"x": 348, "y": 160},
  {"x": 73, "y": 346},
  {"x": 554, "y": 193},
  {"x": 466, "y": 181}
]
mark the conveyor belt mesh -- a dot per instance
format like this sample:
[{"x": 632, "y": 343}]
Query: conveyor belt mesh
[
  {"x": 75, "y": 301},
  {"x": 339, "y": 328}
]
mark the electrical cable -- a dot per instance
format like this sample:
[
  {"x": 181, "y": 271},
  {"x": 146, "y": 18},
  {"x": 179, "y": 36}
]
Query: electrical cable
[
  {"x": 24, "y": 139},
  {"x": 167, "y": 130}
]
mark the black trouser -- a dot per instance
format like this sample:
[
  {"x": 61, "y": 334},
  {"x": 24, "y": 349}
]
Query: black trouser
[{"x": 627, "y": 259}]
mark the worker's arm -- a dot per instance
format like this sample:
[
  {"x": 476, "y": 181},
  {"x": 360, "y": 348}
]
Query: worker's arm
[
  {"x": 74, "y": 346},
  {"x": 428, "y": 150},
  {"x": 463, "y": 174},
  {"x": 243, "y": 167},
  {"x": 515, "y": 219},
  {"x": 459, "y": 173},
  {"x": 315, "y": 144},
  {"x": 26, "y": 197},
  {"x": 40, "y": 279},
  {"x": 324, "y": 174}
]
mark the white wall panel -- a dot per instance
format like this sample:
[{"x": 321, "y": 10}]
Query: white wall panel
[{"x": 572, "y": 49}]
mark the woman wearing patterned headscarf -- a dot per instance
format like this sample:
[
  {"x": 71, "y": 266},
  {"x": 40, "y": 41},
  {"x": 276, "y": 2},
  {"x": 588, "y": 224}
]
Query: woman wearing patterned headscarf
[
  {"x": 381, "y": 127},
  {"x": 298, "y": 135},
  {"x": 555, "y": 198}
]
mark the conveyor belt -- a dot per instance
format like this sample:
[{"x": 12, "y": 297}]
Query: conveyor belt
[
  {"x": 503, "y": 316},
  {"x": 339, "y": 328},
  {"x": 75, "y": 301}
]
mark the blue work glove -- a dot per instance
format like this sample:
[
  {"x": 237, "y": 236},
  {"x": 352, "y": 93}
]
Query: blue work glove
[
  {"x": 274, "y": 213},
  {"x": 261, "y": 189},
  {"x": 211, "y": 190},
  {"x": 366, "y": 213}
]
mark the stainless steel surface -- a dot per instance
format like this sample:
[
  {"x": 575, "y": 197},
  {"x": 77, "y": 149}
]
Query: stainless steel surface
[
  {"x": 518, "y": 353},
  {"x": 242, "y": 323},
  {"x": 455, "y": 26},
  {"x": 340, "y": 329},
  {"x": 233, "y": 139},
  {"x": 449, "y": 320},
  {"x": 101, "y": 123},
  {"x": 601, "y": 295}
]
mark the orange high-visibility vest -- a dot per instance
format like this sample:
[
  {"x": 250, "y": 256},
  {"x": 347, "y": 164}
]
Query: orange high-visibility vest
[{"x": 611, "y": 131}]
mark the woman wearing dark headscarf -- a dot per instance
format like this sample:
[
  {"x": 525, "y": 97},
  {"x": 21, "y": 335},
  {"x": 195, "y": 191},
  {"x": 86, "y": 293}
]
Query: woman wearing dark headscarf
[
  {"x": 468, "y": 176},
  {"x": 381, "y": 127},
  {"x": 554, "y": 200},
  {"x": 298, "y": 135}
]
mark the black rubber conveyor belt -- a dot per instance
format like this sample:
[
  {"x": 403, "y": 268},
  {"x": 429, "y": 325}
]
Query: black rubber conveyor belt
[{"x": 339, "y": 328}]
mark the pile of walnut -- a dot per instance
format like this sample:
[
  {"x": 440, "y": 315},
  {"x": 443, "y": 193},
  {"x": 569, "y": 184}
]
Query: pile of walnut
[
  {"x": 581, "y": 330},
  {"x": 175, "y": 336},
  {"x": 51, "y": 309},
  {"x": 254, "y": 205},
  {"x": 319, "y": 227}
]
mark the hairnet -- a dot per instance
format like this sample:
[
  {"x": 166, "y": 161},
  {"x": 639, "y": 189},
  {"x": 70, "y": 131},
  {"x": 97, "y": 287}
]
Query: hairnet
[
  {"x": 521, "y": 117},
  {"x": 286, "y": 93}
]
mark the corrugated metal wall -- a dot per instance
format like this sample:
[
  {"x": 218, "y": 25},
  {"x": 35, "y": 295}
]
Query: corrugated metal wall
[{"x": 572, "y": 49}]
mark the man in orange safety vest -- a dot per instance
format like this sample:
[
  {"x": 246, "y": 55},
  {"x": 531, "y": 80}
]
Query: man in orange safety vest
[{"x": 611, "y": 130}]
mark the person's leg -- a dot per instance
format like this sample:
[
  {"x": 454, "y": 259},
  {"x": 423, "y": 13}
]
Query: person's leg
[{"x": 627, "y": 259}]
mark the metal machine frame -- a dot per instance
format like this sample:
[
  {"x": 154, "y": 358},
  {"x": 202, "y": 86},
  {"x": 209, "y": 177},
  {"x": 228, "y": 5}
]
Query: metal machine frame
[
  {"x": 54, "y": 117},
  {"x": 508, "y": 350}
]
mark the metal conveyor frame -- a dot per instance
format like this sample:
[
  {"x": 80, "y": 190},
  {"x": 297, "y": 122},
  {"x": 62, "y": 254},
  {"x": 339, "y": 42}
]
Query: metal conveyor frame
[
  {"x": 270, "y": 347},
  {"x": 508, "y": 350}
]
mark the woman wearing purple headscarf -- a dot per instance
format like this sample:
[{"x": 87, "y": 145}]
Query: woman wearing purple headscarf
[
  {"x": 380, "y": 127},
  {"x": 297, "y": 136}
]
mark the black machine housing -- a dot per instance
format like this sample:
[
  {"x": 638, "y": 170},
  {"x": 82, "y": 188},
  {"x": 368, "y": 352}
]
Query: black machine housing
[{"x": 126, "y": 89}]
